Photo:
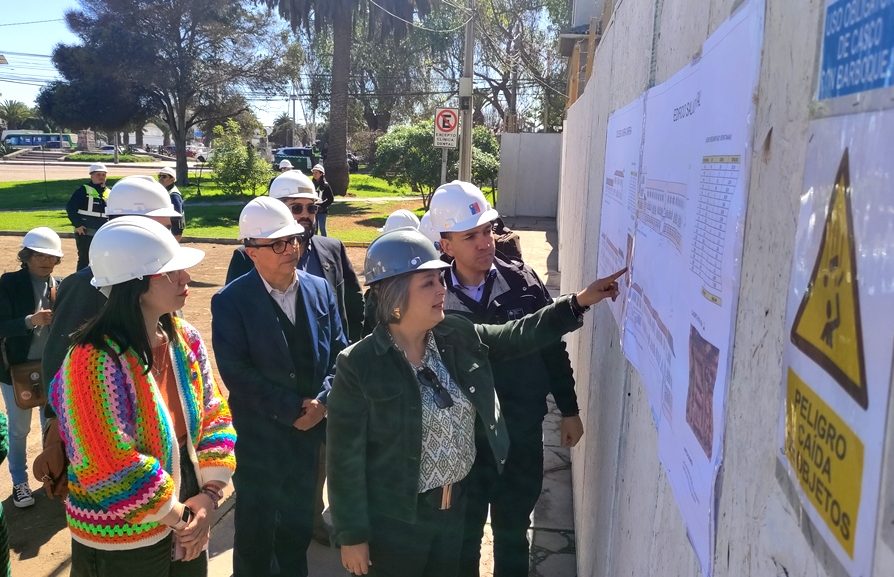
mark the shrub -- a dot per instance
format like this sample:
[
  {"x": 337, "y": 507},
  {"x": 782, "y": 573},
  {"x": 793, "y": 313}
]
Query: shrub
[
  {"x": 238, "y": 168},
  {"x": 407, "y": 155}
]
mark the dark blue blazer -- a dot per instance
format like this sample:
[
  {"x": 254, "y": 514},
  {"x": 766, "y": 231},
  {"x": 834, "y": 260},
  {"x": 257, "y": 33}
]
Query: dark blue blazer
[{"x": 256, "y": 366}]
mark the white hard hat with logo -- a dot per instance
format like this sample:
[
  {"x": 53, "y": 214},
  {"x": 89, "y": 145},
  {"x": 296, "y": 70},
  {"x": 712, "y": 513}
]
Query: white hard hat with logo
[
  {"x": 267, "y": 218},
  {"x": 459, "y": 206},
  {"x": 400, "y": 218},
  {"x": 284, "y": 163},
  {"x": 43, "y": 240},
  {"x": 132, "y": 247},
  {"x": 426, "y": 228},
  {"x": 140, "y": 195},
  {"x": 293, "y": 184},
  {"x": 97, "y": 167}
]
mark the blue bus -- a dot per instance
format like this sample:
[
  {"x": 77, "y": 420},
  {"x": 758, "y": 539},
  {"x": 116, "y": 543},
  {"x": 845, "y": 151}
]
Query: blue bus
[{"x": 38, "y": 139}]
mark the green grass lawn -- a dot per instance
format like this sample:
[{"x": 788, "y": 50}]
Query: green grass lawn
[
  {"x": 97, "y": 157},
  {"x": 25, "y": 205}
]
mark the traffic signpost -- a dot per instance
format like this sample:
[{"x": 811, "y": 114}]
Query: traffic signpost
[{"x": 446, "y": 134}]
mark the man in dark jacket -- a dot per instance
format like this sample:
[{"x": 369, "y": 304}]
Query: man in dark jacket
[
  {"x": 168, "y": 179},
  {"x": 276, "y": 334},
  {"x": 488, "y": 289},
  {"x": 324, "y": 257},
  {"x": 87, "y": 211}
]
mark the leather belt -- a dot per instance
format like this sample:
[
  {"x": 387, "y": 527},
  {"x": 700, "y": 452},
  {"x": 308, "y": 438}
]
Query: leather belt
[{"x": 445, "y": 497}]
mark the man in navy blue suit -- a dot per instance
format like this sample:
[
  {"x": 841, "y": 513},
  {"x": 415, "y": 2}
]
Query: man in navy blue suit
[{"x": 276, "y": 333}]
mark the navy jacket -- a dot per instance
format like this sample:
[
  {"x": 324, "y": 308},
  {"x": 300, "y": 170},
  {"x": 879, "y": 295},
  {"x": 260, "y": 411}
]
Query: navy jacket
[
  {"x": 256, "y": 366},
  {"x": 16, "y": 302},
  {"x": 522, "y": 383},
  {"x": 338, "y": 272}
]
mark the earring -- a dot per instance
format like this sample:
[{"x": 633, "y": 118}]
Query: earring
[{"x": 396, "y": 313}]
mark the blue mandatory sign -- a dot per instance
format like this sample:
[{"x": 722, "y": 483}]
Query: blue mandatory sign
[{"x": 858, "y": 47}]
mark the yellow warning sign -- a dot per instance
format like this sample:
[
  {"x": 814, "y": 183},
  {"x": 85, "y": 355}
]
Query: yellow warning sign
[
  {"x": 827, "y": 457},
  {"x": 827, "y": 326}
]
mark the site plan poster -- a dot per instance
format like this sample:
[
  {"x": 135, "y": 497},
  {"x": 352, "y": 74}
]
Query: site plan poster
[
  {"x": 620, "y": 192},
  {"x": 840, "y": 320},
  {"x": 682, "y": 300}
]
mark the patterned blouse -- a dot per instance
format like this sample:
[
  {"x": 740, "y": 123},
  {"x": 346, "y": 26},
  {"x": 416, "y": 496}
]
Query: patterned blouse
[{"x": 448, "y": 435}]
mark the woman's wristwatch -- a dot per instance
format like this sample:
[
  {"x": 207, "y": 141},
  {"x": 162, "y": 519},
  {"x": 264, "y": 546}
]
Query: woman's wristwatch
[{"x": 185, "y": 518}]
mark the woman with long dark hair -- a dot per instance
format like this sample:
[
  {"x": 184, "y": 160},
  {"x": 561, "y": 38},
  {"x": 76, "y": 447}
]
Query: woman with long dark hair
[
  {"x": 148, "y": 434},
  {"x": 412, "y": 403}
]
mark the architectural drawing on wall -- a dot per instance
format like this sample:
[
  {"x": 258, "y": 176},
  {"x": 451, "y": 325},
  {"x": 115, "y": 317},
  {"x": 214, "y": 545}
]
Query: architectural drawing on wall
[{"x": 678, "y": 314}]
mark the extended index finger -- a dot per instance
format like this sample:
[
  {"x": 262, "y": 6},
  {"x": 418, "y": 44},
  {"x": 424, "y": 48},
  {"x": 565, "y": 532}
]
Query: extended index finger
[{"x": 616, "y": 275}]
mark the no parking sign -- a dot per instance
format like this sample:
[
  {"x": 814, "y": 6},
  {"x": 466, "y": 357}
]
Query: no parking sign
[{"x": 446, "y": 127}]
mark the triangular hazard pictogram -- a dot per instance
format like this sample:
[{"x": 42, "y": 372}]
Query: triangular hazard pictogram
[{"x": 827, "y": 327}]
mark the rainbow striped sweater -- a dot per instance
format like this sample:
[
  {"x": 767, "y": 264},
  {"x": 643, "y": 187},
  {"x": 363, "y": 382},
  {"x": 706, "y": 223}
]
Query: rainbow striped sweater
[{"x": 124, "y": 474}]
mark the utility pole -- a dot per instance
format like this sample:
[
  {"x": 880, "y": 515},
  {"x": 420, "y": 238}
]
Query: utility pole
[
  {"x": 294, "y": 97},
  {"x": 465, "y": 98}
]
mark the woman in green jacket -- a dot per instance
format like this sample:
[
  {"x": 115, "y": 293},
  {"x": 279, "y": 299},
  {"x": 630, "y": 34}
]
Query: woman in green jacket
[{"x": 411, "y": 404}]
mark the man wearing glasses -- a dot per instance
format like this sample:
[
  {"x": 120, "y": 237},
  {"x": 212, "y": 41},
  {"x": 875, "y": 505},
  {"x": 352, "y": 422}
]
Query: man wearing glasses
[
  {"x": 279, "y": 382},
  {"x": 321, "y": 256},
  {"x": 168, "y": 179}
]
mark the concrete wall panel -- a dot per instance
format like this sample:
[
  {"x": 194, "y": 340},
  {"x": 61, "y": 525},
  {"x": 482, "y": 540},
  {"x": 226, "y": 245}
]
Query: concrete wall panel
[
  {"x": 627, "y": 520},
  {"x": 529, "y": 174}
]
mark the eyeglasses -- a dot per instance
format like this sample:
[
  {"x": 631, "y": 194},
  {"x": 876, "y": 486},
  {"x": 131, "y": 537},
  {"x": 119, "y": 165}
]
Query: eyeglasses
[
  {"x": 279, "y": 246},
  {"x": 428, "y": 378},
  {"x": 299, "y": 208}
]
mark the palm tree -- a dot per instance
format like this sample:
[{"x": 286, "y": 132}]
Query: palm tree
[
  {"x": 339, "y": 14},
  {"x": 15, "y": 113}
]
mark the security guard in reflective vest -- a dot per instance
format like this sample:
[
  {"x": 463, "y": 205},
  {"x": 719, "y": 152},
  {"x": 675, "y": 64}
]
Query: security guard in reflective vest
[{"x": 87, "y": 211}]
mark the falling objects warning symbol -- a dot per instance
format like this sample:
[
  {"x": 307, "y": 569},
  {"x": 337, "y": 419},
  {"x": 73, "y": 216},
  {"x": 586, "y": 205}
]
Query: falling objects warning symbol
[{"x": 827, "y": 326}]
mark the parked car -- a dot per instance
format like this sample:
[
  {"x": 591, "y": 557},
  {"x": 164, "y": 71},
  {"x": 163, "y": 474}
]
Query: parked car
[
  {"x": 205, "y": 155},
  {"x": 302, "y": 158},
  {"x": 110, "y": 149}
]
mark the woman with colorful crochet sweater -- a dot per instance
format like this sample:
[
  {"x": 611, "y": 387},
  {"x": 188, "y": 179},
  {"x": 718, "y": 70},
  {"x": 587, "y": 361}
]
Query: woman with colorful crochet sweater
[{"x": 148, "y": 434}]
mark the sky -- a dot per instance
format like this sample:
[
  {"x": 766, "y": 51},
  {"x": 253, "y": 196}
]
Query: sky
[{"x": 28, "y": 47}]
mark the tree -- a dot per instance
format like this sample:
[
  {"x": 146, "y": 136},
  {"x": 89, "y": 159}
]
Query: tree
[
  {"x": 15, "y": 113},
  {"x": 406, "y": 155},
  {"x": 192, "y": 56},
  {"x": 339, "y": 14},
  {"x": 237, "y": 166}
]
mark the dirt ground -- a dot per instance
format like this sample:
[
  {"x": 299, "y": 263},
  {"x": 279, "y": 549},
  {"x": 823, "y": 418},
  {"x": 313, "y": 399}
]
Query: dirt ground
[{"x": 39, "y": 541}]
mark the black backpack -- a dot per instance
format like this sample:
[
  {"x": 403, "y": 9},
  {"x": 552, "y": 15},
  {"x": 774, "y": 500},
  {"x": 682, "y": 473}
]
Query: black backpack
[{"x": 506, "y": 241}]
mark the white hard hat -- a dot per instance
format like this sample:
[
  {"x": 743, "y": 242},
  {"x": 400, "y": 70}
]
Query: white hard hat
[
  {"x": 167, "y": 171},
  {"x": 97, "y": 167},
  {"x": 43, "y": 240},
  {"x": 318, "y": 167},
  {"x": 132, "y": 247},
  {"x": 267, "y": 218},
  {"x": 284, "y": 163},
  {"x": 426, "y": 228},
  {"x": 293, "y": 184},
  {"x": 140, "y": 195},
  {"x": 459, "y": 206},
  {"x": 400, "y": 218}
]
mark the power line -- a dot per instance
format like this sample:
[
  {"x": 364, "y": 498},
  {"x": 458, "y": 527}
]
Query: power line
[
  {"x": 11, "y": 53},
  {"x": 32, "y": 22},
  {"x": 419, "y": 26}
]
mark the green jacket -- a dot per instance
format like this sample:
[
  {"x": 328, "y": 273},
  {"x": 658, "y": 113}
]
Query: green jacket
[{"x": 374, "y": 431}]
